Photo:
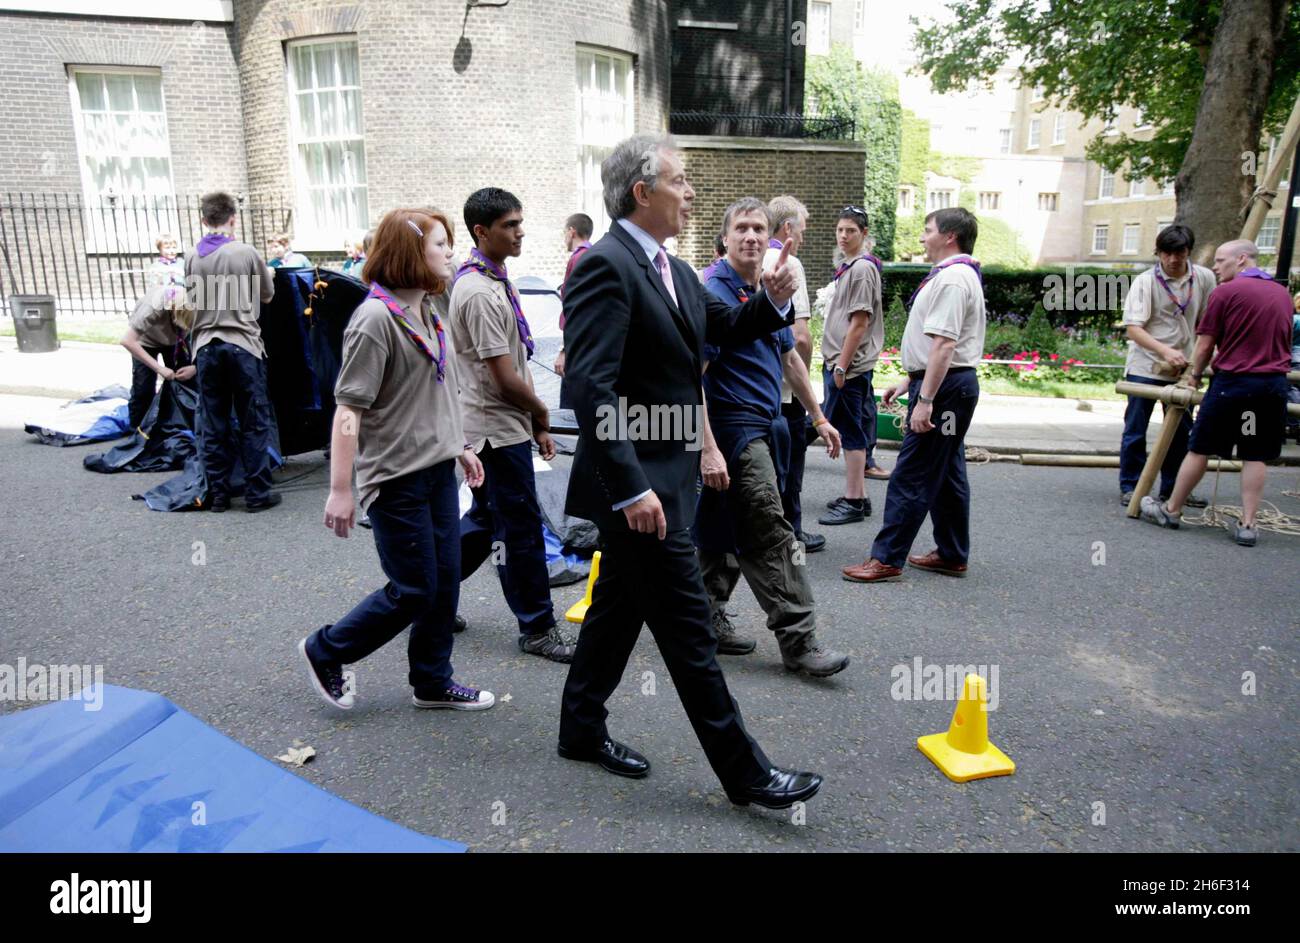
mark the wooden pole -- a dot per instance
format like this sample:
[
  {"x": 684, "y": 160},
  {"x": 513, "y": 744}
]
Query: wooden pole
[{"x": 1262, "y": 201}]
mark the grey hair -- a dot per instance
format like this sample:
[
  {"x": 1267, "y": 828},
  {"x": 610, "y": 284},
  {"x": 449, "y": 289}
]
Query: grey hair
[
  {"x": 746, "y": 204},
  {"x": 633, "y": 160},
  {"x": 783, "y": 208}
]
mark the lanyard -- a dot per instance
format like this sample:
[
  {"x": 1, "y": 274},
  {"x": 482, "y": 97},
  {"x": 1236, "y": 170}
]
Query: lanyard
[
  {"x": 1191, "y": 285},
  {"x": 440, "y": 361}
]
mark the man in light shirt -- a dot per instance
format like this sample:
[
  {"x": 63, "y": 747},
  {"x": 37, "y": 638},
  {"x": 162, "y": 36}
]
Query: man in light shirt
[
  {"x": 1161, "y": 312},
  {"x": 942, "y": 345}
]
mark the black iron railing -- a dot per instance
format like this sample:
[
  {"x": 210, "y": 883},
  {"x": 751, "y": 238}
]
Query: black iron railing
[
  {"x": 93, "y": 256},
  {"x": 732, "y": 124}
]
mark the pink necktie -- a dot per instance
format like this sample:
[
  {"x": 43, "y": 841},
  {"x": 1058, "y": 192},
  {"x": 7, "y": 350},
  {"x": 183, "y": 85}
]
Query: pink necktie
[{"x": 661, "y": 263}]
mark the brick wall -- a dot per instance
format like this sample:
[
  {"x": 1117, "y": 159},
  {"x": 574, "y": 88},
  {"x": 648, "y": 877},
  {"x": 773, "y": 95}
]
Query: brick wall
[
  {"x": 447, "y": 112},
  {"x": 38, "y": 151},
  {"x": 825, "y": 176}
]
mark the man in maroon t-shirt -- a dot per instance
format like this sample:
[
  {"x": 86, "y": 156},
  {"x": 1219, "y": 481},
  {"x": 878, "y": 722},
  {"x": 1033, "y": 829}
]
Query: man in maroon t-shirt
[{"x": 1249, "y": 320}]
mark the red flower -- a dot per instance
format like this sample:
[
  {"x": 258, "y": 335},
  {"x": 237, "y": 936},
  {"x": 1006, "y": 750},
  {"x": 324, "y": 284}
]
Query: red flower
[{"x": 1052, "y": 357}]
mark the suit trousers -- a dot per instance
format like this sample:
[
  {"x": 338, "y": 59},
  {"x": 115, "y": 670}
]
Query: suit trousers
[
  {"x": 646, "y": 581},
  {"x": 929, "y": 477}
]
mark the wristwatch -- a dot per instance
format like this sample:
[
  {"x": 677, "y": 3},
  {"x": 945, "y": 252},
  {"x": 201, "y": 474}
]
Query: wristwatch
[
  {"x": 839, "y": 369},
  {"x": 927, "y": 400}
]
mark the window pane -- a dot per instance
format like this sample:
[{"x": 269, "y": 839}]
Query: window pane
[
  {"x": 148, "y": 90},
  {"x": 120, "y": 97},
  {"x": 325, "y": 70},
  {"x": 351, "y": 118},
  {"x": 349, "y": 69},
  {"x": 308, "y": 122},
  {"x": 327, "y": 107},
  {"x": 90, "y": 89},
  {"x": 301, "y": 57}
]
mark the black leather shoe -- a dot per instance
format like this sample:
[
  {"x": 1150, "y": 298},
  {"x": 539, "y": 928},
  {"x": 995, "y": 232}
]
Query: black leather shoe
[
  {"x": 220, "y": 503},
  {"x": 271, "y": 500},
  {"x": 459, "y": 624},
  {"x": 781, "y": 789},
  {"x": 618, "y": 758},
  {"x": 812, "y": 542}
]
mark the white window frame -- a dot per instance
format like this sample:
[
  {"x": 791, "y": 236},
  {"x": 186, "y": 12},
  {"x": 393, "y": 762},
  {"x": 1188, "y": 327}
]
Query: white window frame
[
  {"x": 101, "y": 235},
  {"x": 860, "y": 16},
  {"x": 1058, "y": 129},
  {"x": 1275, "y": 230},
  {"x": 1167, "y": 187},
  {"x": 933, "y": 199},
  {"x": 989, "y": 201},
  {"x": 1140, "y": 121},
  {"x": 1035, "y": 134},
  {"x": 1102, "y": 230},
  {"x": 1036, "y": 94},
  {"x": 1273, "y": 155},
  {"x": 1135, "y": 231},
  {"x": 1105, "y": 183},
  {"x": 819, "y": 44},
  {"x": 1049, "y": 202},
  {"x": 309, "y": 232},
  {"x": 906, "y": 198},
  {"x": 1004, "y": 140},
  {"x": 1137, "y": 186},
  {"x": 594, "y": 205}
]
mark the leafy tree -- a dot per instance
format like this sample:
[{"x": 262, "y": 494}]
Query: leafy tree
[
  {"x": 836, "y": 85},
  {"x": 1211, "y": 75}
]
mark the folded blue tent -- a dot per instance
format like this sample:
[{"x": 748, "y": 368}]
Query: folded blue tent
[{"x": 140, "y": 774}]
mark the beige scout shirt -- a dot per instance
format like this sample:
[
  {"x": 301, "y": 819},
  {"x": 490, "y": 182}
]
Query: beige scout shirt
[
  {"x": 227, "y": 288},
  {"x": 802, "y": 308},
  {"x": 482, "y": 325},
  {"x": 949, "y": 305},
  {"x": 152, "y": 321},
  {"x": 1149, "y": 306},
  {"x": 410, "y": 420},
  {"x": 858, "y": 289}
]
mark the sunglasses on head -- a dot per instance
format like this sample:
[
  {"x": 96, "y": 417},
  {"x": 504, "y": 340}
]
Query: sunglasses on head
[{"x": 854, "y": 209}]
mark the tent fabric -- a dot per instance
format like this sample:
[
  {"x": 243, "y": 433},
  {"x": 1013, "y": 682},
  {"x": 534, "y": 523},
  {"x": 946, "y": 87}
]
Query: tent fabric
[
  {"x": 99, "y": 417},
  {"x": 141, "y": 775}
]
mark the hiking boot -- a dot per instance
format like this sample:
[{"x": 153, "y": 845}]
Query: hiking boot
[
  {"x": 552, "y": 644},
  {"x": 1155, "y": 512},
  {"x": 815, "y": 660},
  {"x": 730, "y": 642}
]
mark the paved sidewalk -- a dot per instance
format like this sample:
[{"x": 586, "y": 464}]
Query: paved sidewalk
[{"x": 1010, "y": 424}]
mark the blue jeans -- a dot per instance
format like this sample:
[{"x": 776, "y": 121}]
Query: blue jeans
[
  {"x": 1133, "y": 445},
  {"x": 506, "y": 514},
  {"x": 930, "y": 476},
  {"x": 230, "y": 377},
  {"x": 415, "y": 520}
]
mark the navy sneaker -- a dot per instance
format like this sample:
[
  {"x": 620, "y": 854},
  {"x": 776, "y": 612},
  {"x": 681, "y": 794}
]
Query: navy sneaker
[
  {"x": 327, "y": 681},
  {"x": 456, "y": 697}
]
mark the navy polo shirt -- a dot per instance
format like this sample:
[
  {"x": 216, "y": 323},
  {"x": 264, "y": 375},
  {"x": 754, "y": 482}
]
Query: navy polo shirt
[{"x": 744, "y": 380}]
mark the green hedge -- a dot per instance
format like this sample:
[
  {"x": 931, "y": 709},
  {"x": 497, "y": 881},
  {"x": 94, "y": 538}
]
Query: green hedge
[{"x": 1011, "y": 294}]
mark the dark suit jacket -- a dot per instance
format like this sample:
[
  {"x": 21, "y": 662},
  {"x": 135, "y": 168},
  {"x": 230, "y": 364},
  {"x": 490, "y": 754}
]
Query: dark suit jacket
[{"x": 631, "y": 352}]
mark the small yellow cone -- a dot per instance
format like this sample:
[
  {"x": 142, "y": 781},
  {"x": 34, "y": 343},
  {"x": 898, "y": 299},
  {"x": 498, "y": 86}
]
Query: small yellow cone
[
  {"x": 964, "y": 752},
  {"x": 578, "y": 611}
]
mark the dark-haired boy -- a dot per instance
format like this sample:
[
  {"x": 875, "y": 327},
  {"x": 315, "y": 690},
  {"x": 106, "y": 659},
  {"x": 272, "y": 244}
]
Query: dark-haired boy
[
  {"x": 503, "y": 417},
  {"x": 226, "y": 282},
  {"x": 1163, "y": 307}
]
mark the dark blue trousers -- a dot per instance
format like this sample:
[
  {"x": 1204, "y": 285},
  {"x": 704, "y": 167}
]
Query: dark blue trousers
[
  {"x": 144, "y": 383},
  {"x": 230, "y": 377},
  {"x": 1133, "y": 445},
  {"x": 796, "y": 417},
  {"x": 930, "y": 477},
  {"x": 505, "y": 523},
  {"x": 415, "y": 520},
  {"x": 869, "y": 418}
]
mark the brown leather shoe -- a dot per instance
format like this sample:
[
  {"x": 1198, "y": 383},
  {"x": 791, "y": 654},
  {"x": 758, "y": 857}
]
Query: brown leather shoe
[
  {"x": 873, "y": 571},
  {"x": 876, "y": 472},
  {"x": 937, "y": 564}
]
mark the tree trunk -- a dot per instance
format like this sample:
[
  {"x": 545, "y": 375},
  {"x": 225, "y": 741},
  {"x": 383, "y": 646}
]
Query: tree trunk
[{"x": 1217, "y": 176}]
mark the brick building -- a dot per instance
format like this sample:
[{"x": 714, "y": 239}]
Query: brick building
[{"x": 324, "y": 114}]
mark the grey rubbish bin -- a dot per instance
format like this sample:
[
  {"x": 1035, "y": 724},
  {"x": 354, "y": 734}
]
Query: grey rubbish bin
[{"x": 34, "y": 323}]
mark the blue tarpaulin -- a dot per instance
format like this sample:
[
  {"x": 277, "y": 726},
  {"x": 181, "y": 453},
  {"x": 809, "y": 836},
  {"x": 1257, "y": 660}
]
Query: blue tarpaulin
[{"x": 140, "y": 774}]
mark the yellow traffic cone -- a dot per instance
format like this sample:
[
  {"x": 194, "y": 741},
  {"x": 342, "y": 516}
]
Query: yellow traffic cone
[
  {"x": 964, "y": 752},
  {"x": 578, "y": 611}
]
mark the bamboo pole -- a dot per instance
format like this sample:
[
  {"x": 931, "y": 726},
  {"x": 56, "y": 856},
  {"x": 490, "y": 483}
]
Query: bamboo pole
[
  {"x": 1171, "y": 372},
  {"x": 1183, "y": 396},
  {"x": 1262, "y": 200},
  {"x": 1105, "y": 461}
]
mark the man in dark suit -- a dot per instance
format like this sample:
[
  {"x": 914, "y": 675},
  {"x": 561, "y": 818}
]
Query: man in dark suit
[{"x": 636, "y": 321}]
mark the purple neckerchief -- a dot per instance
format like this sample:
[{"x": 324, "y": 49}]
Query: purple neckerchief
[
  {"x": 1255, "y": 272},
  {"x": 960, "y": 260},
  {"x": 211, "y": 243},
  {"x": 844, "y": 266},
  {"x": 1191, "y": 286},
  {"x": 439, "y": 361},
  {"x": 775, "y": 244},
  {"x": 710, "y": 270},
  {"x": 480, "y": 263},
  {"x": 580, "y": 247}
]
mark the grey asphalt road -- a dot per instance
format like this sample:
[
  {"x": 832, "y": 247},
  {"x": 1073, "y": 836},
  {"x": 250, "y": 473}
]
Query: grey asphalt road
[{"x": 1119, "y": 684}]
